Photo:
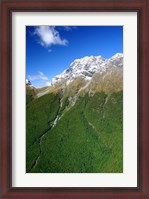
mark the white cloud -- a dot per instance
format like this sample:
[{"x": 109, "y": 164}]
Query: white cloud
[
  {"x": 39, "y": 76},
  {"x": 49, "y": 36},
  {"x": 32, "y": 77},
  {"x": 48, "y": 84},
  {"x": 69, "y": 28}
]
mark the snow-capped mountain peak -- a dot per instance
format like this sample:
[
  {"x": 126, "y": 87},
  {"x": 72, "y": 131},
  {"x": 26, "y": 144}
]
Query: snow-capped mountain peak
[
  {"x": 85, "y": 68},
  {"x": 117, "y": 55},
  {"x": 28, "y": 83}
]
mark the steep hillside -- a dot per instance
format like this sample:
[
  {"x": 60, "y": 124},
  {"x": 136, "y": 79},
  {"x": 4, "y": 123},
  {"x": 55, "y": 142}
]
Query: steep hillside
[
  {"x": 40, "y": 115},
  {"x": 76, "y": 124},
  {"x": 87, "y": 137},
  {"x": 30, "y": 93}
]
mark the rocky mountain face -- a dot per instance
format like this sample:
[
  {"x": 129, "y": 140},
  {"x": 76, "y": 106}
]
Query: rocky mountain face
[
  {"x": 86, "y": 67},
  {"x": 28, "y": 83},
  {"x": 76, "y": 124},
  {"x": 89, "y": 74}
]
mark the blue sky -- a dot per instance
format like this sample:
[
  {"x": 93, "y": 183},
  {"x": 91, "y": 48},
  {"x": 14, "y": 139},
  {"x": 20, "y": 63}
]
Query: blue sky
[{"x": 51, "y": 49}]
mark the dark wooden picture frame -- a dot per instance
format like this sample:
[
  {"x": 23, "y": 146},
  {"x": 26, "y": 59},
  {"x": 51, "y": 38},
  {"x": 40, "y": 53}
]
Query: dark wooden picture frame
[{"x": 139, "y": 6}]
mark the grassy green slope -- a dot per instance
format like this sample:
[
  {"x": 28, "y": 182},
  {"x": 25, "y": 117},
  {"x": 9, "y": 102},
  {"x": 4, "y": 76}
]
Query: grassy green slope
[
  {"x": 88, "y": 137},
  {"x": 39, "y": 116},
  {"x": 30, "y": 94}
]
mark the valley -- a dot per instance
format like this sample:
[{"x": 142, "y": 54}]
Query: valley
[{"x": 75, "y": 125}]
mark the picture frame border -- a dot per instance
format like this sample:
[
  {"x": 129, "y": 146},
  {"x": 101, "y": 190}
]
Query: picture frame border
[{"x": 139, "y": 6}]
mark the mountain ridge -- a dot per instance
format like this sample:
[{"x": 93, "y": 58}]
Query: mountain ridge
[
  {"x": 77, "y": 127},
  {"x": 86, "y": 67},
  {"x": 89, "y": 74}
]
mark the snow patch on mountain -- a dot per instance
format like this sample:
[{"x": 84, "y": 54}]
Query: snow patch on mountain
[
  {"x": 85, "y": 68},
  {"x": 28, "y": 83}
]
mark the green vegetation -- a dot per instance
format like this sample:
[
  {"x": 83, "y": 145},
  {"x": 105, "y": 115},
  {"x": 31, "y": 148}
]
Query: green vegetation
[
  {"x": 87, "y": 138},
  {"x": 39, "y": 116},
  {"x": 30, "y": 94}
]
